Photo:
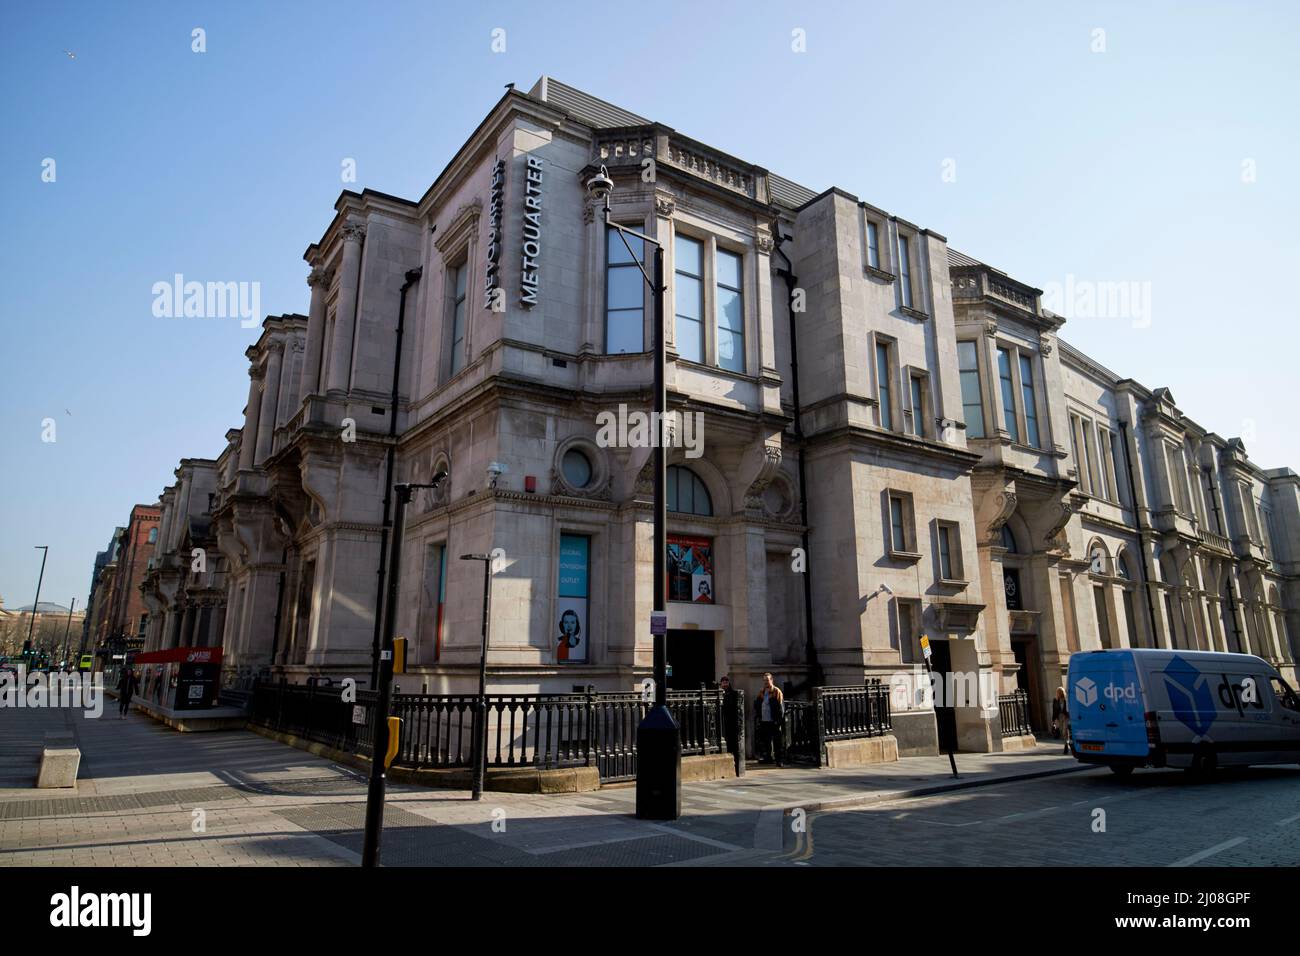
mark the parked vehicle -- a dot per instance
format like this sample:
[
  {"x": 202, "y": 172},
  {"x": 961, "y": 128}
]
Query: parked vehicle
[{"x": 1143, "y": 707}]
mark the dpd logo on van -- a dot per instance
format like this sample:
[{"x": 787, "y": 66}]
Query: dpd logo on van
[
  {"x": 1115, "y": 693},
  {"x": 1190, "y": 696},
  {"x": 1085, "y": 691}
]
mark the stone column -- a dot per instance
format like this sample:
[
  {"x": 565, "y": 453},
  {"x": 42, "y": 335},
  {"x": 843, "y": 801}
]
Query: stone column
[
  {"x": 345, "y": 316},
  {"x": 319, "y": 280},
  {"x": 270, "y": 394},
  {"x": 187, "y": 627},
  {"x": 248, "y": 438}
]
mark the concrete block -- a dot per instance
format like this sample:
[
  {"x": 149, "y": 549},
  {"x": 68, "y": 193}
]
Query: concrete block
[
  {"x": 698, "y": 769},
  {"x": 861, "y": 751},
  {"x": 60, "y": 759}
]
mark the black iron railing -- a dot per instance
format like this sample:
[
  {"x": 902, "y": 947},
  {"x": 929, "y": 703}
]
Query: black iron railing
[
  {"x": 318, "y": 714},
  {"x": 848, "y": 712},
  {"x": 552, "y": 731},
  {"x": 545, "y": 731},
  {"x": 1013, "y": 708},
  {"x": 834, "y": 713}
]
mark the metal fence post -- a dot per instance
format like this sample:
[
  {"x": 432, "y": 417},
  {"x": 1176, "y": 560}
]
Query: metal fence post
[
  {"x": 819, "y": 726},
  {"x": 591, "y": 725},
  {"x": 737, "y": 740}
]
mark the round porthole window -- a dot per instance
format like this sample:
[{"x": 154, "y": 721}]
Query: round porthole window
[{"x": 577, "y": 468}]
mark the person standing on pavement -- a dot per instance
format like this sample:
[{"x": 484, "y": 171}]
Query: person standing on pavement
[
  {"x": 769, "y": 708},
  {"x": 126, "y": 688},
  {"x": 1061, "y": 718}
]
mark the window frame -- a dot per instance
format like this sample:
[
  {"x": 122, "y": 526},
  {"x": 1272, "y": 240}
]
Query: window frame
[
  {"x": 918, "y": 389},
  {"x": 678, "y": 237},
  {"x": 871, "y": 242},
  {"x": 1028, "y": 398},
  {"x": 951, "y": 530},
  {"x": 907, "y": 516},
  {"x": 612, "y": 234},
  {"x": 883, "y": 351},
  {"x": 906, "y": 291},
  {"x": 718, "y": 284},
  {"x": 909, "y": 646},
  {"x": 1007, "y": 392},
  {"x": 980, "y": 431},
  {"x": 673, "y": 490},
  {"x": 457, "y": 304}
]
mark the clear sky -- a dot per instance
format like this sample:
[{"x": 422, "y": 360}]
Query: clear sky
[{"x": 1168, "y": 159}]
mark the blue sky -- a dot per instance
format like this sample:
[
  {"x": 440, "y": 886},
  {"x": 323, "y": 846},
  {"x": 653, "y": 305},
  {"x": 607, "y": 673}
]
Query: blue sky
[{"x": 1123, "y": 165}]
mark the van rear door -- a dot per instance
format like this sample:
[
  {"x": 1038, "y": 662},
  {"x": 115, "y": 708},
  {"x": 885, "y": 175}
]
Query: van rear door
[{"x": 1106, "y": 705}]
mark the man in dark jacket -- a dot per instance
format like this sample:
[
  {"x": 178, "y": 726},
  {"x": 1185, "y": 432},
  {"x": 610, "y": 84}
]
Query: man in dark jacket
[
  {"x": 769, "y": 707},
  {"x": 126, "y": 688}
]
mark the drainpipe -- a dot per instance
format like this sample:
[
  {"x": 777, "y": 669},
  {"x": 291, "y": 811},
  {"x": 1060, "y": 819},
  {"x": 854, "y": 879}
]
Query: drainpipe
[
  {"x": 1132, "y": 496},
  {"x": 412, "y": 278},
  {"x": 791, "y": 283},
  {"x": 279, "y": 606}
]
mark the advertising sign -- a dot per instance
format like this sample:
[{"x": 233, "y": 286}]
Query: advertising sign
[{"x": 571, "y": 629}]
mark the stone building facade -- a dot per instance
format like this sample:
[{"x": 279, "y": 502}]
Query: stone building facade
[
  {"x": 893, "y": 442},
  {"x": 184, "y": 586}
]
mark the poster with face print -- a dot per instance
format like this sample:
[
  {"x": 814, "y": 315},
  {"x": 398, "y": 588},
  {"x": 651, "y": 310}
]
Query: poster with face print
[
  {"x": 690, "y": 569},
  {"x": 570, "y": 638}
]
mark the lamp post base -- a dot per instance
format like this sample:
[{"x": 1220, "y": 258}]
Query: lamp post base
[{"x": 658, "y": 766}]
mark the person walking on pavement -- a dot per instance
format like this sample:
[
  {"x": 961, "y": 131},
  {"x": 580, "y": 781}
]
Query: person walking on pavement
[
  {"x": 126, "y": 688},
  {"x": 1061, "y": 718},
  {"x": 769, "y": 708}
]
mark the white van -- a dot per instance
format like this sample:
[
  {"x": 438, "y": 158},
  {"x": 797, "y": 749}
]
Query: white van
[{"x": 1139, "y": 707}]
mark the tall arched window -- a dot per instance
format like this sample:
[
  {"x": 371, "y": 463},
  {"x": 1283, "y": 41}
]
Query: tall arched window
[
  {"x": 687, "y": 493},
  {"x": 1008, "y": 540}
]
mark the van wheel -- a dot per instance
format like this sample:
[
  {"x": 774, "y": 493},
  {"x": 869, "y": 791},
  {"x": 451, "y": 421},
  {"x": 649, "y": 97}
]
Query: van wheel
[
  {"x": 1204, "y": 763},
  {"x": 1121, "y": 769}
]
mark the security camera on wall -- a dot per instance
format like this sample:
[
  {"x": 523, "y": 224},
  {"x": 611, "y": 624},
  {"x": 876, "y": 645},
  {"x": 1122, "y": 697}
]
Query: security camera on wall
[
  {"x": 887, "y": 589},
  {"x": 494, "y": 471}
]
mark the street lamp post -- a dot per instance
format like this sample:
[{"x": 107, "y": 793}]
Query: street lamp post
[
  {"x": 379, "y": 719},
  {"x": 480, "y": 716},
  {"x": 658, "y": 744},
  {"x": 67, "y": 628},
  {"x": 36, "y": 605}
]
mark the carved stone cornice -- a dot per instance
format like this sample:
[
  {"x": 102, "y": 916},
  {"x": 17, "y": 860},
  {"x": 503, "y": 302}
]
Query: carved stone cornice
[
  {"x": 665, "y": 206},
  {"x": 766, "y": 472},
  {"x": 1006, "y": 505}
]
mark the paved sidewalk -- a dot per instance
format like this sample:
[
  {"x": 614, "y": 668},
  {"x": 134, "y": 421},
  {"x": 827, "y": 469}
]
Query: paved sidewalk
[{"x": 148, "y": 795}]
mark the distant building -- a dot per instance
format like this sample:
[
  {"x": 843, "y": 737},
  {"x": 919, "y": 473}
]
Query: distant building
[{"x": 120, "y": 614}]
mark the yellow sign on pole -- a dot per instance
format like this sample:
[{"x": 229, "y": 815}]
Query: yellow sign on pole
[
  {"x": 399, "y": 655},
  {"x": 394, "y": 740}
]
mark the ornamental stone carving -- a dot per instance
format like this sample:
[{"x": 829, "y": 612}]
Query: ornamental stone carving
[
  {"x": 766, "y": 472},
  {"x": 1006, "y": 506}
]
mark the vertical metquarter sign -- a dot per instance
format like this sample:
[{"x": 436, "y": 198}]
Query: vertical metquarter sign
[
  {"x": 492, "y": 275},
  {"x": 532, "y": 250}
]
